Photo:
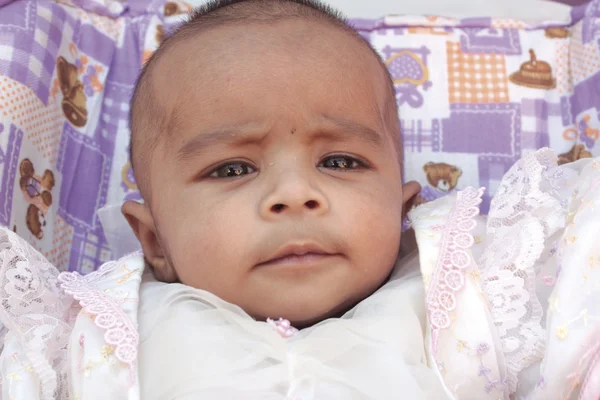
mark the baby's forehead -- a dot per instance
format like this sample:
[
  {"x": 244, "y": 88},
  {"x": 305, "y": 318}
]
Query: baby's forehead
[
  {"x": 225, "y": 44},
  {"x": 222, "y": 63},
  {"x": 217, "y": 64}
]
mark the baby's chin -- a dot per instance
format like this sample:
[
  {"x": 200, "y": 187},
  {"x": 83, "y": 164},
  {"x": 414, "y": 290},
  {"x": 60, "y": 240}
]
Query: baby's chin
[
  {"x": 308, "y": 310},
  {"x": 301, "y": 319},
  {"x": 307, "y": 299}
]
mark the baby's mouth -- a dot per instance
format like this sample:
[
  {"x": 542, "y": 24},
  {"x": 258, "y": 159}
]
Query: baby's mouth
[
  {"x": 298, "y": 254},
  {"x": 294, "y": 259}
]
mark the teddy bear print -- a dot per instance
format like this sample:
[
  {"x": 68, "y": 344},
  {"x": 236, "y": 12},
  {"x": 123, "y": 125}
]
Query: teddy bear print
[
  {"x": 74, "y": 99},
  {"x": 577, "y": 152},
  {"x": 171, "y": 8},
  {"x": 37, "y": 192},
  {"x": 442, "y": 176},
  {"x": 176, "y": 7}
]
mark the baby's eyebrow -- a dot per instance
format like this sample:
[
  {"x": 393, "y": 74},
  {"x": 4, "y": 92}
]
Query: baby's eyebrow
[
  {"x": 347, "y": 129},
  {"x": 239, "y": 135},
  {"x": 228, "y": 135}
]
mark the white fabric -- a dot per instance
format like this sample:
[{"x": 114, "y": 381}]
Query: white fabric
[
  {"x": 69, "y": 337},
  {"x": 573, "y": 315},
  {"x": 462, "y": 344},
  {"x": 217, "y": 351},
  {"x": 35, "y": 312},
  {"x": 536, "y": 254},
  {"x": 456, "y": 336}
]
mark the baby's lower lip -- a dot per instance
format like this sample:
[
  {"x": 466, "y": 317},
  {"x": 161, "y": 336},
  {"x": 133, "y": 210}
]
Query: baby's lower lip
[{"x": 304, "y": 260}]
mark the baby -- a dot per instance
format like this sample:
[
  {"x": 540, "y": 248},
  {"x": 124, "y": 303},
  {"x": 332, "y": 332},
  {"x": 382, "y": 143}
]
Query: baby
[
  {"x": 265, "y": 140},
  {"x": 266, "y": 145}
]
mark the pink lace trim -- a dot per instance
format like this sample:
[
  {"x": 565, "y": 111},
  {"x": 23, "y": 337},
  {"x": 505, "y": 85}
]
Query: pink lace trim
[
  {"x": 283, "y": 327},
  {"x": 448, "y": 276},
  {"x": 108, "y": 314}
]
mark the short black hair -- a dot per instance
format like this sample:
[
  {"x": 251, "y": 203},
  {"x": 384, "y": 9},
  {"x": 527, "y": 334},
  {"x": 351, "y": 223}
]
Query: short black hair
[{"x": 217, "y": 13}]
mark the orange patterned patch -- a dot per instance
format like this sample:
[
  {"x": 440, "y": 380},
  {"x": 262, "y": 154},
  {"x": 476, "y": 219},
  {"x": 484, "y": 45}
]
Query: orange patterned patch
[
  {"x": 563, "y": 81},
  {"x": 42, "y": 124},
  {"x": 109, "y": 26},
  {"x": 585, "y": 58},
  {"x": 429, "y": 28},
  {"x": 508, "y": 23},
  {"x": 476, "y": 78}
]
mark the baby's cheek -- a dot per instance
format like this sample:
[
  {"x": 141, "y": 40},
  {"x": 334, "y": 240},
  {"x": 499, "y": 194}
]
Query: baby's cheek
[
  {"x": 211, "y": 242},
  {"x": 374, "y": 222},
  {"x": 380, "y": 204}
]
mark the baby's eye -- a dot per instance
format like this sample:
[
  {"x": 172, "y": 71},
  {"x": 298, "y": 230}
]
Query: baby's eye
[
  {"x": 340, "y": 163},
  {"x": 232, "y": 170}
]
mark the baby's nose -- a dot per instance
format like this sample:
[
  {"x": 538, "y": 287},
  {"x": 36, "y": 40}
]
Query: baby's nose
[
  {"x": 309, "y": 205},
  {"x": 295, "y": 197}
]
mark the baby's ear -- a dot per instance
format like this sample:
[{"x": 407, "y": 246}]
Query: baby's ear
[
  {"x": 142, "y": 222},
  {"x": 410, "y": 191}
]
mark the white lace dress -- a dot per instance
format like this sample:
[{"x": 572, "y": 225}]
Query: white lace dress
[
  {"x": 510, "y": 308},
  {"x": 514, "y": 301}
]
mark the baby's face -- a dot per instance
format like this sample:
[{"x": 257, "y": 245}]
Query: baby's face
[{"x": 279, "y": 187}]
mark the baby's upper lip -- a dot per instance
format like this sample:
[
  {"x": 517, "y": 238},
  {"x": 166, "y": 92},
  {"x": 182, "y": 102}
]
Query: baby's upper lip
[{"x": 298, "y": 249}]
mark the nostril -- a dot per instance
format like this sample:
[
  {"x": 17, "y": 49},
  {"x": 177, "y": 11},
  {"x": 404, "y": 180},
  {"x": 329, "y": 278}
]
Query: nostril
[
  {"x": 311, "y": 204},
  {"x": 277, "y": 208}
]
